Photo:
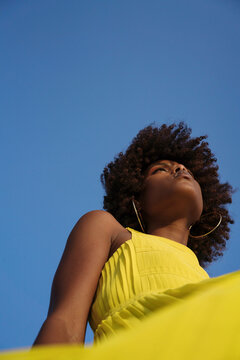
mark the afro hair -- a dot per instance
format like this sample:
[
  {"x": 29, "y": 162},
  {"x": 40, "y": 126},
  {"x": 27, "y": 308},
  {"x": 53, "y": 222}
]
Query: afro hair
[{"x": 123, "y": 180}]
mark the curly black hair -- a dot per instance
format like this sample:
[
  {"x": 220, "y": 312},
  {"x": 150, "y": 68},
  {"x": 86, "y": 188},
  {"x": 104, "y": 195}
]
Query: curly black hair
[{"x": 123, "y": 179}]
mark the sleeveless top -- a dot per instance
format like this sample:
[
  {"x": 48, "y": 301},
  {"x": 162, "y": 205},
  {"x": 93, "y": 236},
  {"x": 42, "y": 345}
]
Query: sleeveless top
[{"x": 135, "y": 281}]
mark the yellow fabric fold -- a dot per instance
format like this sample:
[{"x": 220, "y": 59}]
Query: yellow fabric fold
[
  {"x": 154, "y": 300},
  {"x": 142, "y": 266}
]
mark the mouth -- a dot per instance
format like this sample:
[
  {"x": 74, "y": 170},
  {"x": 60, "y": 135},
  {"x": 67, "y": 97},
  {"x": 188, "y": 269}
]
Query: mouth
[{"x": 183, "y": 175}]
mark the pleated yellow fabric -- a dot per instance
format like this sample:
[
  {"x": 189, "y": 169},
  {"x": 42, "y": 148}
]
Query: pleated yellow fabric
[
  {"x": 154, "y": 300},
  {"x": 134, "y": 279}
]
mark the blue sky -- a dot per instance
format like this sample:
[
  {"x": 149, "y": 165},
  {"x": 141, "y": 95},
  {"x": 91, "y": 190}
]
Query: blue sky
[{"x": 79, "y": 79}]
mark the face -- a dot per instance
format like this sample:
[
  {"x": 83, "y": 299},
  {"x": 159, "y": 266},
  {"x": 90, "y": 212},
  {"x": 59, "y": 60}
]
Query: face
[{"x": 170, "y": 189}]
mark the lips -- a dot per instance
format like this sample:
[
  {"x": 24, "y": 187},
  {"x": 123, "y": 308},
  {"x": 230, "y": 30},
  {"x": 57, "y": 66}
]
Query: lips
[{"x": 183, "y": 175}]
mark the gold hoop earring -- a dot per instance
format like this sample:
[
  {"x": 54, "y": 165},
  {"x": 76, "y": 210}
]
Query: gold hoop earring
[
  {"x": 204, "y": 235},
  {"x": 135, "y": 209}
]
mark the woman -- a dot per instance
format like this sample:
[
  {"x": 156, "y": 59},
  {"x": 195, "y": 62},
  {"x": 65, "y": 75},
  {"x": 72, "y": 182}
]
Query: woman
[{"x": 136, "y": 271}]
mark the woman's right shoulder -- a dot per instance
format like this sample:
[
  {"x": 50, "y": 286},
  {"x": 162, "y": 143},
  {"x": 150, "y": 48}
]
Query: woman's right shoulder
[{"x": 102, "y": 220}]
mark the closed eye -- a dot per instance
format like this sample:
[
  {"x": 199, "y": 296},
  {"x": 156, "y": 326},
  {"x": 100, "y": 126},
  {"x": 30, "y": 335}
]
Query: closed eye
[
  {"x": 167, "y": 170},
  {"x": 158, "y": 169}
]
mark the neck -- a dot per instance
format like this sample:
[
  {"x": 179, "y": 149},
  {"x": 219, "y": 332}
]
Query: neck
[{"x": 176, "y": 230}]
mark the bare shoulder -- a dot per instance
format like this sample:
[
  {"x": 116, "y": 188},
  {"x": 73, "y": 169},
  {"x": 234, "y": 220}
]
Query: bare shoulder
[{"x": 104, "y": 221}]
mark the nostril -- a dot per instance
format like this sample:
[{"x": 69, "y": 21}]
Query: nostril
[{"x": 176, "y": 170}]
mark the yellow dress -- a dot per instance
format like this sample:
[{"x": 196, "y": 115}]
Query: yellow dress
[{"x": 154, "y": 300}]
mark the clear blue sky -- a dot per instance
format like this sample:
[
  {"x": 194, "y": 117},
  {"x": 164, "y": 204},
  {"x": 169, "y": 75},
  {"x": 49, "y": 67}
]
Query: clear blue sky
[{"x": 79, "y": 79}]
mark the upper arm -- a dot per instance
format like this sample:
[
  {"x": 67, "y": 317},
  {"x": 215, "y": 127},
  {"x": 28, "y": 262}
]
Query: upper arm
[{"x": 78, "y": 272}]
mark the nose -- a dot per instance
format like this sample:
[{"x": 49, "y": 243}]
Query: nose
[{"x": 179, "y": 167}]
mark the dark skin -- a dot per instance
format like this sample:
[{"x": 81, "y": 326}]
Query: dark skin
[
  {"x": 169, "y": 205},
  {"x": 171, "y": 201}
]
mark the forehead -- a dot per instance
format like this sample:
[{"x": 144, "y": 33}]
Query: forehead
[{"x": 168, "y": 162}]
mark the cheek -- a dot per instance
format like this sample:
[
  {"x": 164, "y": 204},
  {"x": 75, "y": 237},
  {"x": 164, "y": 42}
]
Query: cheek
[{"x": 199, "y": 193}]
